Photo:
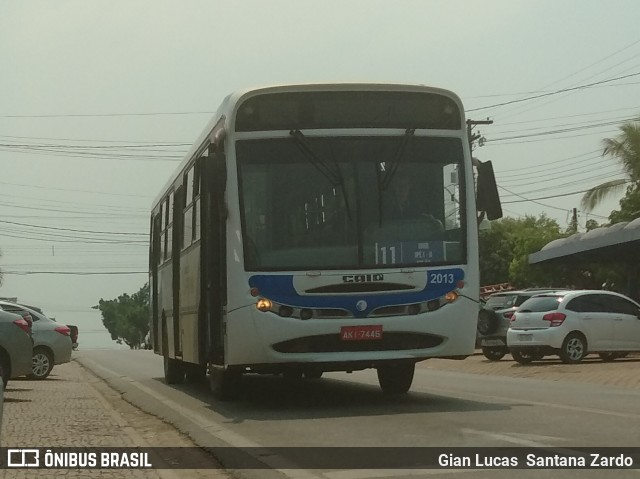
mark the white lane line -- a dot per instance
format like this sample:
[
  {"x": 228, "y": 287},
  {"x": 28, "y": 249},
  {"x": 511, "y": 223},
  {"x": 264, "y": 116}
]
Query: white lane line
[
  {"x": 274, "y": 462},
  {"x": 383, "y": 473}
]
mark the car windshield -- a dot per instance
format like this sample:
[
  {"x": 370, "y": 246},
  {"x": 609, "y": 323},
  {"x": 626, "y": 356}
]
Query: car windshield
[
  {"x": 539, "y": 304},
  {"x": 329, "y": 202},
  {"x": 501, "y": 301}
]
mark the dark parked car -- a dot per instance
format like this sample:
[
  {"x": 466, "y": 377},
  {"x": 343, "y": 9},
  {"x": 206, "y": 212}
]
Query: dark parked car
[
  {"x": 15, "y": 346},
  {"x": 74, "y": 335},
  {"x": 494, "y": 319}
]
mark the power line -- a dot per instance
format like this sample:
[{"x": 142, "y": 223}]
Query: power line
[
  {"x": 553, "y": 93},
  {"x": 106, "y": 115},
  {"x": 74, "y": 190},
  {"x": 69, "y": 229},
  {"x": 551, "y": 196},
  {"x": 74, "y": 273},
  {"x": 148, "y": 143},
  {"x": 528, "y": 199}
]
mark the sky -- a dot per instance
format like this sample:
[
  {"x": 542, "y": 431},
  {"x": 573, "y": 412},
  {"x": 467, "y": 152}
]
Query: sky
[{"x": 99, "y": 100}]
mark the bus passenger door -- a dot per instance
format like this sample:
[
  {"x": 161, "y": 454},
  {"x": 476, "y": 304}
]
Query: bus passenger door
[
  {"x": 178, "y": 206},
  {"x": 154, "y": 261},
  {"x": 213, "y": 253}
]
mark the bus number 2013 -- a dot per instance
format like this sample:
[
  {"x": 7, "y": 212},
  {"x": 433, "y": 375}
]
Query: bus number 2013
[{"x": 441, "y": 278}]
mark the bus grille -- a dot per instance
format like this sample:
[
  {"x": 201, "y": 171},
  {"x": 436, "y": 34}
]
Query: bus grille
[{"x": 331, "y": 343}]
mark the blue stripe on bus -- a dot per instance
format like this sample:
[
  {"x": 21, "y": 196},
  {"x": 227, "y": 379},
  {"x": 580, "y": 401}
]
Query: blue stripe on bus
[{"x": 279, "y": 288}]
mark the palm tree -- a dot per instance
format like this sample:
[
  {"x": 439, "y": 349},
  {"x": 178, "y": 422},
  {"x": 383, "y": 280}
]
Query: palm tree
[{"x": 624, "y": 149}]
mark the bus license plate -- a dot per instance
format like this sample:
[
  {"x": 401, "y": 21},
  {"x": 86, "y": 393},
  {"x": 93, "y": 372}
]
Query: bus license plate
[{"x": 361, "y": 333}]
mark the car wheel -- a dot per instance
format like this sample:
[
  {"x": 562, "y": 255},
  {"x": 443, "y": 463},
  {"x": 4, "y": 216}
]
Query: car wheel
[
  {"x": 313, "y": 374},
  {"x": 574, "y": 348},
  {"x": 5, "y": 371},
  {"x": 42, "y": 364},
  {"x": 494, "y": 354},
  {"x": 488, "y": 322},
  {"x": 396, "y": 379},
  {"x": 522, "y": 357}
]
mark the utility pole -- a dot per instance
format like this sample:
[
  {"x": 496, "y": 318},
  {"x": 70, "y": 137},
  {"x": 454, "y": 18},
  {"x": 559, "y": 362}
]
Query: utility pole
[
  {"x": 476, "y": 136},
  {"x": 574, "y": 220}
]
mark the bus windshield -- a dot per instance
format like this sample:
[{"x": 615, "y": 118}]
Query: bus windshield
[{"x": 351, "y": 202}]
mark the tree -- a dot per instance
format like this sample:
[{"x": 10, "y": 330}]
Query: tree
[
  {"x": 505, "y": 250},
  {"x": 629, "y": 206},
  {"x": 127, "y": 317},
  {"x": 625, "y": 150}
]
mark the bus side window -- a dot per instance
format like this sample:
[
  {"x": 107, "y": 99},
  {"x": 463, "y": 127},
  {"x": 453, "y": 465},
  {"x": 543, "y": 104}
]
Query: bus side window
[
  {"x": 163, "y": 227},
  {"x": 169, "y": 230},
  {"x": 188, "y": 210},
  {"x": 196, "y": 204},
  {"x": 156, "y": 240}
]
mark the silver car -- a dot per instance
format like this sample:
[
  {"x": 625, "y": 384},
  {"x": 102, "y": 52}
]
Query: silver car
[
  {"x": 15, "y": 347},
  {"x": 51, "y": 341}
]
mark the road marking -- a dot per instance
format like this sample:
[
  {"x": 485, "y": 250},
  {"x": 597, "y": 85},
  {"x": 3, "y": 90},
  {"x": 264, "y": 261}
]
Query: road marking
[
  {"x": 276, "y": 463},
  {"x": 528, "y": 440},
  {"x": 382, "y": 473}
]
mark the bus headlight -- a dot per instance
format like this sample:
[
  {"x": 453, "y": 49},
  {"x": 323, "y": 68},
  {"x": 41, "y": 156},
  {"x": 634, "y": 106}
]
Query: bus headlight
[
  {"x": 264, "y": 305},
  {"x": 451, "y": 296}
]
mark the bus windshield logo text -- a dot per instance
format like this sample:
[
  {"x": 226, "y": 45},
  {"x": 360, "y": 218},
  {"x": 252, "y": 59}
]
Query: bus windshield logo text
[{"x": 362, "y": 278}]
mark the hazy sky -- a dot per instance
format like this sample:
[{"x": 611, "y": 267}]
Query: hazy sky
[{"x": 99, "y": 100}]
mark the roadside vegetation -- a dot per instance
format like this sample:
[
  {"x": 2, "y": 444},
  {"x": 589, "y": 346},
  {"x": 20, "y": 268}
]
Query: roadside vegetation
[{"x": 127, "y": 317}]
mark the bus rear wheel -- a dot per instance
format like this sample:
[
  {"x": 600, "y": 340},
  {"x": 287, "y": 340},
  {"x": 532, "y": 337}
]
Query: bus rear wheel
[
  {"x": 195, "y": 373},
  {"x": 173, "y": 370},
  {"x": 396, "y": 378}
]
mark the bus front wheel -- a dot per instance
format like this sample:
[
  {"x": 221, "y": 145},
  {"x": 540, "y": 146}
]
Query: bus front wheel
[
  {"x": 396, "y": 378},
  {"x": 225, "y": 384}
]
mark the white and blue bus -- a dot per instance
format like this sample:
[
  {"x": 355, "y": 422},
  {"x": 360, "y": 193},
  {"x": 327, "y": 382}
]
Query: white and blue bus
[{"x": 315, "y": 228}]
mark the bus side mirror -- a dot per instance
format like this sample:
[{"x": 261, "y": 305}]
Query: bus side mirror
[{"x": 488, "y": 199}]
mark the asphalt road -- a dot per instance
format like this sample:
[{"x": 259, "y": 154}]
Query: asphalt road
[{"x": 443, "y": 409}]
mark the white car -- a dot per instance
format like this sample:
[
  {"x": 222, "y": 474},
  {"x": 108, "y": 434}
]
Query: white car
[
  {"x": 51, "y": 340},
  {"x": 572, "y": 324}
]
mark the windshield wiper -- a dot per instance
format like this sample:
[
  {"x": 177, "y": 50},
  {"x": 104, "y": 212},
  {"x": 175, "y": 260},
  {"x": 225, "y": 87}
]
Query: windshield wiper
[
  {"x": 393, "y": 166},
  {"x": 389, "y": 173},
  {"x": 334, "y": 177}
]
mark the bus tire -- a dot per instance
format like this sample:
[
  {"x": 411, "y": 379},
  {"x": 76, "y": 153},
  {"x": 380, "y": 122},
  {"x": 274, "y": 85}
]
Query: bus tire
[
  {"x": 396, "y": 378},
  {"x": 312, "y": 374},
  {"x": 225, "y": 384},
  {"x": 173, "y": 369}
]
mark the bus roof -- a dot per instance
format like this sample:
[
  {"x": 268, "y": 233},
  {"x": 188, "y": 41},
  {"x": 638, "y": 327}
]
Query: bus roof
[{"x": 229, "y": 105}]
